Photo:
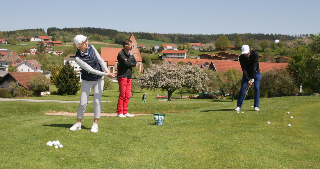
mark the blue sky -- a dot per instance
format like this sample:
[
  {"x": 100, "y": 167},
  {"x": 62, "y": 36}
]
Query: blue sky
[{"x": 290, "y": 17}]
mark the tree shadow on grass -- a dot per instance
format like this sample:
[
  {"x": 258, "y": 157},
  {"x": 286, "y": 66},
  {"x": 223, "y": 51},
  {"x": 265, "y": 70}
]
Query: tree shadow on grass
[
  {"x": 218, "y": 110},
  {"x": 63, "y": 125}
]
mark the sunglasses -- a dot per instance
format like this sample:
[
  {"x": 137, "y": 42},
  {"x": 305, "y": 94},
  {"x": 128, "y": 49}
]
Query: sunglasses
[{"x": 130, "y": 46}]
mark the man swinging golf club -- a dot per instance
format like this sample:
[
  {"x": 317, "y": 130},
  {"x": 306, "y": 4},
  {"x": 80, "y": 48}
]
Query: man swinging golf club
[{"x": 249, "y": 61}]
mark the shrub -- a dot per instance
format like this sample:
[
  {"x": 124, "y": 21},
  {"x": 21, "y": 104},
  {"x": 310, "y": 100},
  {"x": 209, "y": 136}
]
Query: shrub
[
  {"x": 4, "y": 92},
  {"x": 22, "y": 92}
]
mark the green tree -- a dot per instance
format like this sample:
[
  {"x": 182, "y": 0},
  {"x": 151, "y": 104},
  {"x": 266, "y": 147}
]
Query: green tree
[
  {"x": 189, "y": 48},
  {"x": 180, "y": 47},
  {"x": 107, "y": 83},
  {"x": 274, "y": 46},
  {"x": 39, "y": 84},
  {"x": 11, "y": 68},
  {"x": 238, "y": 42},
  {"x": 222, "y": 43},
  {"x": 250, "y": 42},
  {"x": 315, "y": 44},
  {"x": 232, "y": 80},
  {"x": 146, "y": 60},
  {"x": 264, "y": 44},
  {"x": 41, "y": 48},
  {"x": 120, "y": 37},
  {"x": 67, "y": 81},
  {"x": 54, "y": 73},
  {"x": 297, "y": 64}
]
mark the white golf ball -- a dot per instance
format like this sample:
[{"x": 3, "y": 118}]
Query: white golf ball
[
  {"x": 288, "y": 112},
  {"x": 56, "y": 147},
  {"x": 291, "y": 117},
  {"x": 252, "y": 106},
  {"x": 289, "y": 125},
  {"x": 48, "y": 143},
  {"x": 242, "y": 112},
  {"x": 268, "y": 122},
  {"x": 60, "y": 145}
]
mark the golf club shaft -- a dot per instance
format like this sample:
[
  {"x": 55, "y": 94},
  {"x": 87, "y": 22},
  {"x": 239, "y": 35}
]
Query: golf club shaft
[{"x": 245, "y": 97}]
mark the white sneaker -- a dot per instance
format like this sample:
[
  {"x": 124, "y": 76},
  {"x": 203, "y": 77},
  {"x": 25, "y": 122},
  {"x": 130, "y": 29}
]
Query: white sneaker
[
  {"x": 94, "y": 128},
  {"x": 256, "y": 109},
  {"x": 121, "y": 115},
  {"x": 129, "y": 115},
  {"x": 237, "y": 109},
  {"x": 76, "y": 126}
]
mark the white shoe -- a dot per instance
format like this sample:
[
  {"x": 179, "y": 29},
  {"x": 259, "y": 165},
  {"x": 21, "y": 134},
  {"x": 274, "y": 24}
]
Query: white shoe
[
  {"x": 237, "y": 109},
  {"x": 76, "y": 126},
  {"x": 256, "y": 109},
  {"x": 121, "y": 115},
  {"x": 128, "y": 115},
  {"x": 94, "y": 128}
]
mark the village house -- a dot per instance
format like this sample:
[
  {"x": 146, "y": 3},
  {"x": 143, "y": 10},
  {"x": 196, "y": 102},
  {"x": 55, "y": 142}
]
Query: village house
[
  {"x": 56, "y": 43},
  {"x": 40, "y": 38},
  {"x": 224, "y": 65},
  {"x": 27, "y": 66},
  {"x": 141, "y": 46},
  {"x": 196, "y": 46},
  {"x": 33, "y": 50},
  {"x": 6, "y": 60},
  {"x": 177, "y": 54},
  {"x": 220, "y": 56},
  {"x": 23, "y": 79},
  {"x": 282, "y": 59},
  {"x": 169, "y": 47},
  {"x": 3, "y": 41},
  {"x": 155, "y": 48},
  {"x": 109, "y": 55}
]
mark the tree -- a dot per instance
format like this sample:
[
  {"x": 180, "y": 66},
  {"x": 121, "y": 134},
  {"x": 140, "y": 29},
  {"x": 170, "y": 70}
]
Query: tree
[
  {"x": 120, "y": 37},
  {"x": 67, "y": 81},
  {"x": 172, "y": 76},
  {"x": 161, "y": 48},
  {"x": 41, "y": 48},
  {"x": 264, "y": 44},
  {"x": 238, "y": 42},
  {"x": 11, "y": 68},
  {"x": 250, "y": 42},
  {"x": 222, "y": 43},
  {"x": 54, "y": 73},
  {"x": 39, "y": 83},
  {"x": 208, "y": 47},
  {"x": 315, "y": 44},
  {"x": 297, "y": 64},
  {"x": 180, "y": 47},
  {"x": 274, "y": 46},
  {"x": 189, "y": 48},
  {"x": 268, "y": 56},
  {"x": 232, "y": 80},
  {"x": 215, "y": 80}
]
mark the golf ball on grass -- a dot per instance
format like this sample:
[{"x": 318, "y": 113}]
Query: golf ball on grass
[
  {"x": 60, "y": 146},
  {"x": 268, "y": 122},
  {"x": 242, "y": 112},
  {"x": 288, "y": 112},
  {"x": 251, "y": 106},
  {"x": 56, "y": 147},
  {"x": 291, "y": 117},
  {"x": 289, "y": 125}
]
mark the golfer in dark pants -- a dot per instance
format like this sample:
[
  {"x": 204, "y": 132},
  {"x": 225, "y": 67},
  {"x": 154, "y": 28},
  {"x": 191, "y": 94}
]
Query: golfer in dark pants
[{"x": 249, "y": 61}]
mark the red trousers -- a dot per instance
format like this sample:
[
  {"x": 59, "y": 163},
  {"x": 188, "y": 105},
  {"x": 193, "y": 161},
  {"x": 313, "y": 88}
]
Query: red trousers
[{"x": 125, "y": 94}]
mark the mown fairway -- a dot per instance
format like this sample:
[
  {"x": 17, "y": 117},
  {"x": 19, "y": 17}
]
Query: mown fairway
[{"x": 195, "y": 134}]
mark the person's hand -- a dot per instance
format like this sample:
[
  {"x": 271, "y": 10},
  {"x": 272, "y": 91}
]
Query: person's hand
[
  {"x": 250, "y": 83},
  {"x": 130, "y": 52},
  {"x": 111, "y": 75}
]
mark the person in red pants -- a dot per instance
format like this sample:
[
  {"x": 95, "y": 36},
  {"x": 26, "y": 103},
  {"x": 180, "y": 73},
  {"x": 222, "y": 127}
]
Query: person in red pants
[{"x": 126, "y": 61}]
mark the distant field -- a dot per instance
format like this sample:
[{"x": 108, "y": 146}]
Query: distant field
[{"x": 150, "y": 42}]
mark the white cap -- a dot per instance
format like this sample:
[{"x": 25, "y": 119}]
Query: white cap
[
  {"x": 79, "y": 39},
  {"x": 245, "y": 49}
]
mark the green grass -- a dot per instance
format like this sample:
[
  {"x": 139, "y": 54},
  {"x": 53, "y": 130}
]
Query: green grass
[
  {"x": 150, "y": 43},
  {"x": 16, "y": 47},
  {"x": 196, "y": 134}
]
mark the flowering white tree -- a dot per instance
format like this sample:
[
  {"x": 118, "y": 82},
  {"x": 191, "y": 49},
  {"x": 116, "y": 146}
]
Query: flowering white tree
[{"x": 171, "y": 76}]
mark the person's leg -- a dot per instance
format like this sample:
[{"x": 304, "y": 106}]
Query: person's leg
[
  {"x": 85, "y": 92},
  {"x": 97, "y": 89},
  {"x": 127, "y": 96},
  {"x": 122, "y": 88},
  {"x": 244, "y": 84},
  {"x": 257, "y": 80}
]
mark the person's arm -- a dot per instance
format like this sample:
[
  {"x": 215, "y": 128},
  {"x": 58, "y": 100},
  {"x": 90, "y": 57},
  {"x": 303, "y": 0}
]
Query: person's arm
[
  {"x": 132, "y": 61},
  {"x": 255, "y": 61},
  {"x": 123, "y": 61},
  {"x": 101, "y": 61},
  {"x": 243, "y": 66},
  {"x": 88, "y": 68}
]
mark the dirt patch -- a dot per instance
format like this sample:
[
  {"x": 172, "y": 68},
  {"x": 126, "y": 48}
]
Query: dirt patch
[{"x": 88, "y": 114}]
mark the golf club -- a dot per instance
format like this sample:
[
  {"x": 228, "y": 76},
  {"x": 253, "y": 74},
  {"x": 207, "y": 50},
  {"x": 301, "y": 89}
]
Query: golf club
[{"x": 245, "y": 96}]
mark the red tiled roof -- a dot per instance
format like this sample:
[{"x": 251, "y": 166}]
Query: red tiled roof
[
  {"x": 10, "y": 57},
  {"x": 197, "y": 44},
  {"x": 174, "y": 51},
  {"x": 110, "y": 55},
  {"x": 224, "y": 65},
  {"x": 43, "y": 37},
  {"x": 2, "y": 40},
  {"x": 24, "y": 78},
  {"x": 56, "y": 42},
  {"x": 166, "y": 45},
  {"x": 3, "y": 53}
]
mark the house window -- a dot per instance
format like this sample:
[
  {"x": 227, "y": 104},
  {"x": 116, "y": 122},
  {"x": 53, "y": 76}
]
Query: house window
[{"x": 111, "y": 69}]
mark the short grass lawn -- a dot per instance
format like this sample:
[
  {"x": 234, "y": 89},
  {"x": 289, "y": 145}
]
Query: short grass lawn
[{"x": 195, "y": 134}]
